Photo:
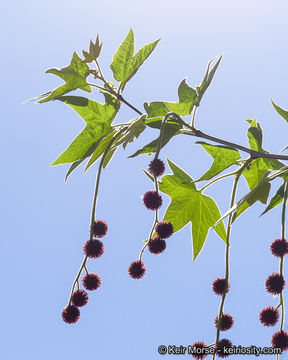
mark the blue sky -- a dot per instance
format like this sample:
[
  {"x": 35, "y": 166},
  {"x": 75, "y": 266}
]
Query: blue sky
[{"x": 45, "y": 221}]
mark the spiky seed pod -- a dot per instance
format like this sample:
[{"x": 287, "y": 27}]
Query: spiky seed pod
[
  {"x": 199, "y": 353},
  {"x": 156, "y": 167},
  {"x": 91, "y": 281},
  {"x": 279, "y": 247},
  {"x": 280, "y": 340},
  {"x": 152, "y": 200},
  {"x": 93, "y": 248},
  {"x": 275, "y": 283},
  {"x": 221, "y": 344},
  {"x": 100, "y": 228},
  {"x": 137, "y": 269},
  {"x": 156, "y": 245},
  {"x": 79, "y": 298},
  {"x": 164, "y": 229},
  {"x": 219, "y": 286},
  {"x": 70, "y": 314},
  {"x": 269, "y": 316},
  {"x": 227, "y": 322}
]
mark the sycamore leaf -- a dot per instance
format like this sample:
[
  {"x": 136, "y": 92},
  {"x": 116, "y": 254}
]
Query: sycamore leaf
[
  {"x": 156, "y": 108},
  {"x": 124, "y": 64},
  {"x": 94, "y": 51},
  {"x": 74, "y": 76},
  {"x": 98, "y": 118},
  {"x": 189, "y": 205},
  {"x": 223, "y": 156},
  {"x": 280, "y": 111},
  {"x": 134, "y": 130},
  {"x": 275, "y": 200},
  {"x": 258, "y": 168}
]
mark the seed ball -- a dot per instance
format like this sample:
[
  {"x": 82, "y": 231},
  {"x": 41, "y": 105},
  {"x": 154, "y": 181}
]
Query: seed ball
[
  {"x": 219, "y": 286},
  {"x": 279, "y": 247},
  {"x": 156, "y": 245},
  {"x": 70, "y": 314},
  {"x": 137, "y": 269},
  {"x": 275, "y": 284},
  {"x": 79, "y": 298},
  {"x": 269, "y": 316},
  {"x": 227, "y": 322},
  {"x": 221, "y": 344},
  {"x": 93, "y": 248},
  {"x": 100, "y": 228},
  {"x": 164, "y": 229},
  {"x": 91, "y": 281},
  {"x": 199, "y": 353},
  {"x": 280, "y": 340},
  {"x": 156, "y": 167},
  {"x": 152, "y": 200}
]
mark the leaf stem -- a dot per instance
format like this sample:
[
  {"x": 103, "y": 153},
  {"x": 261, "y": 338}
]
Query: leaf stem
[
  {"x": 219, "y": 178},
  {"x": 227, "y": 264}
]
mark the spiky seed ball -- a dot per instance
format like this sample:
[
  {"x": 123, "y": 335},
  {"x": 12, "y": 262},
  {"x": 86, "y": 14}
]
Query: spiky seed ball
[
  {"x": 156, "y": 167},
  {"x": 91, "y": 281},
  {"x": 152, "y": 200},
  {"x": 164, "y": 229},
  {"x": 100, "y": 228},
  {"x": 93, "y": 248},
  {"x": 269, "y": 316},
  {"x": 70, "y": 314},
  {"x": 219, "y": 286},
  {"x": 79, "y": 298},
  {"x": 275, "y": 283},
  {"x": 280, "y": 340},
  {"x": 279, "y": 247},
  {"x": 137, "y": 269},
  {"x": 156, "y": 245},
  {"x": 221, "y": 344},
  {"x": 199, "y": 353},
  {"x": 227, "y": 322}
]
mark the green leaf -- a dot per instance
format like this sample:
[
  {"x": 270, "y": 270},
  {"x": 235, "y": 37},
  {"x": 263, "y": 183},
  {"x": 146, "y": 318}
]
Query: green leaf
[
  {"x": 100, "y": 148},
  {"x": 74, "y": 76},
  {"x": 149, "y": 175},
  {"x": 207, "y": 78},
  {"x": 223, "y": 156},
  {"x": 189, "y": 205},
  {"x": 108, "y": 157},
  {"x": 156, "y": 108},
  {"x": 94, "y": 51},
  {"x": 168, "y": 133},
  {"x": 134, "y": 130},
  {"x": 276, "y": 199},
  {"x": 281, "y": 112},
  {"x": 187, "y": 99},
  {"x": 124, "y": 64},
  {"x": 98, "y": 118},
  {"x": 258, "y": 168}
]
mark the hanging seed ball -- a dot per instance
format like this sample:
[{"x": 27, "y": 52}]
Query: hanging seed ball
[
  {"x": 93, "y": 248},
  {"x": 152, "y": 200},
  {"x": 280, "y": 340},
  {"x": 269, "y": 316},
  {"x": 156, "y": 245},
  {"x": 100, "y": 228},
  {"x": 275, "y": 284},
  {"x": 219, "y": 286},
  {"x": 227, "y": 322},
  {"x": 91, "y": 281},
  {"x": 156, "y": 167},
  {"x": 164, "y": 229},
  {"x": 279, "y": 247},
  {"x": 198, "y": 350},
  {"x": 70, "y": 314},
  {"x": 137, "y": 269},
  {"x": 221, "y": 344}
]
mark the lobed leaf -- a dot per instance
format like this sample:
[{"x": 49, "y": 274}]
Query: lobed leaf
[
  {"x": 280, "y": 111},
  {"x": 275, "y": 200},
  {"x": 189, "y": 205}
]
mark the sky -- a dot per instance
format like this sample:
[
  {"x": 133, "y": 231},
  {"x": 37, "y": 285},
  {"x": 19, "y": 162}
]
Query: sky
[{"x": 45, "y": 221}]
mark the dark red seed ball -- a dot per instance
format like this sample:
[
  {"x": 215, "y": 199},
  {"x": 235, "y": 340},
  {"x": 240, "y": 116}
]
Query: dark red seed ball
[
  {"x": 280, "y": 340},
  {"x": 70, "y": 314},
  {"x": 93, "y": 248},
  {"x": 79, "y": 298},
  {"x": 164, "y": 229},
  {"x": 279, "y": 247},
  {"x": 91, "y": 281},
  {"x": 275, "y": 283},
  {"x": 100, "y": 228},
  {"x": 156, "y": 245},
  {"x": 221, "y": 344},
  {"x": 156, "y": 167},
  {"x": 227, "y": 322},
  {"x": 198, "y": 350},
  {"x": 137, "y": 269},
  {"x": 152, "y": 200},
  {"x": 219, "y": 286},
  {"x": 269, "y": 316}
]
